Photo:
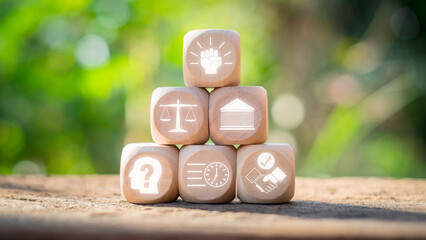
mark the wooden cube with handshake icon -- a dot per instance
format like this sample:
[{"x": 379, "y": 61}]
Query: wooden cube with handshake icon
[{"x": 230, "y": 115}]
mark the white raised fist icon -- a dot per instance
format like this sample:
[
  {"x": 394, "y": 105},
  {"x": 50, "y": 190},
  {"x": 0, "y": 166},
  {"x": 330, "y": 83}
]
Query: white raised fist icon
[{"x": 210, "y": 61}]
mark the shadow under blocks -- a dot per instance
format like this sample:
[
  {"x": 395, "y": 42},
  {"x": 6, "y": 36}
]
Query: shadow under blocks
[{"x": 307, "y": 209}]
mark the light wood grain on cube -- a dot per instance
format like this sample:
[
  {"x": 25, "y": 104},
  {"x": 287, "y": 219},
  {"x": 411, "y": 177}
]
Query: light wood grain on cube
[
  {"x": 148, "y": 173},
  {"x": 207, "y": 173},
  {"x": 238, "y": 115},
  {"x": 265, "y": 173},
  {"x": 179, "y": 115},
  {"x": 211, "y": 58}
]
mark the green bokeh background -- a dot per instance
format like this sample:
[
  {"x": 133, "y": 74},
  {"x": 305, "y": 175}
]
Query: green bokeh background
[{"x": 345, "y": 79}]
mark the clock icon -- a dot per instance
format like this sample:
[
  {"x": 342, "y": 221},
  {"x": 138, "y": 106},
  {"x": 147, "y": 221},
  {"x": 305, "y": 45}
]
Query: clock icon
[{"x": 216, "y": 174}]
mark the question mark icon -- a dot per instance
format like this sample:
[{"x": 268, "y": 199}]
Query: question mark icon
[{"x": 145, "y": 175}]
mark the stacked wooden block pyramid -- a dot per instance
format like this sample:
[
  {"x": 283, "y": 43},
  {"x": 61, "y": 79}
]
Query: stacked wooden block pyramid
[{"x": 230, "y": 115}]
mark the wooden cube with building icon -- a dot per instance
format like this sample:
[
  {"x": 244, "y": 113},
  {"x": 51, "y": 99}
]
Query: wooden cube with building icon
[{"x": 238, "y": 115}]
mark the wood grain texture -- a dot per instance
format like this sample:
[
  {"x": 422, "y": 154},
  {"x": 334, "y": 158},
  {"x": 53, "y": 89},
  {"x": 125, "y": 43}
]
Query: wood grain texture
[
  {"x": 226, "y": 45},
  {"x": 162, "y": 178},
  {"x": 207, "y": 173},
  {"x": 189, "y": 125},
  {"x": 238, "y": 115},
  {"x": 88, "y": 207},
  {"x": 265, "y": 173}
]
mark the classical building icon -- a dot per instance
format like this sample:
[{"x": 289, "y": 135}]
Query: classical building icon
[{"x": 237, "y": 115}]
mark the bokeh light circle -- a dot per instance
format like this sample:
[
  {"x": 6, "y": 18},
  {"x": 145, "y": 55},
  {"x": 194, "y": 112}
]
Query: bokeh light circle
[
  {"x": 28, "y": 167},
  {"x": 92, "y": 51},
  {"x": 405, "y": 24},
  {"x": 288, "y": 111}
]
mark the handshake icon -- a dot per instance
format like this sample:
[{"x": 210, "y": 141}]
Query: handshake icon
[{"x": 266, "y": 183}]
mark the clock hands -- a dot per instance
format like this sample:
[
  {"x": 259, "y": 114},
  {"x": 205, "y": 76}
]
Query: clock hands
[{"x": 215, "y": 176}]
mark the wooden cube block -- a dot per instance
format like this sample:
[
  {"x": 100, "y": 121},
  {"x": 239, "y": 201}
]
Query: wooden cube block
[
  {"x": 207, "y": 173},
  {"x": 211, "y": 58},
  {"x": 179, "y": 115},
  {"x": 238, "y": 115},
  {"x": 265, "y": 173},
  {"x": 148, "y": 173}
]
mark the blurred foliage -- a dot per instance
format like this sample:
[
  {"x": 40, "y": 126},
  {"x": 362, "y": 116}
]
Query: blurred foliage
[{"x": 345, "y": 79}]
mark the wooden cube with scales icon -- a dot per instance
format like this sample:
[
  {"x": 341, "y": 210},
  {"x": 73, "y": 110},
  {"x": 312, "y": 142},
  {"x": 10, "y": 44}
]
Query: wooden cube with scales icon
[{"x": 179, "y": 115}]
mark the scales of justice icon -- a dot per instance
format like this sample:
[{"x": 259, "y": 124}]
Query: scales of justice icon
[{"x": 190, "y": 116}]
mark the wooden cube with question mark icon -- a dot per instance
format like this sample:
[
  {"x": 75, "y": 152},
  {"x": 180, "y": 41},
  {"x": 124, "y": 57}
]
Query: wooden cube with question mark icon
[
  {"x": 265, "y": 173},
  {"x": 211, "y": 58},
  {"x": 148, "y": 173}
]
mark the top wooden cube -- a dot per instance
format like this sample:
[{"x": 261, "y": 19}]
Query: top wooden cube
[{"x": 211, "y": 58}]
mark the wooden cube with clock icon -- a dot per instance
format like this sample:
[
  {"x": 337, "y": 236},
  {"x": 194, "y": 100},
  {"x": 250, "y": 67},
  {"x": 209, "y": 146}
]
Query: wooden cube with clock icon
[
  {"x": 207, "y": 173},
  {"x": 211, "y": 58},
  {"x": 265, "y": 173}
]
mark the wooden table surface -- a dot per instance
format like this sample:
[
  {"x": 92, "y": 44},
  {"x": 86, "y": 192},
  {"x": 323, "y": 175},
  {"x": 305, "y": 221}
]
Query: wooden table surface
[{"x": 92, "y": 207}]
